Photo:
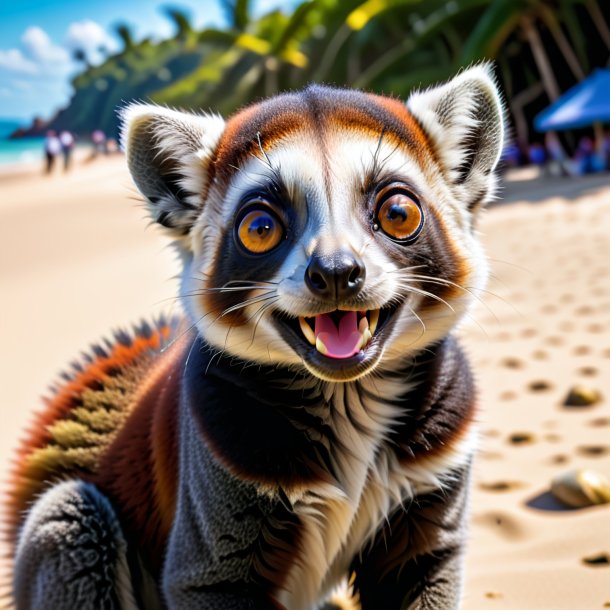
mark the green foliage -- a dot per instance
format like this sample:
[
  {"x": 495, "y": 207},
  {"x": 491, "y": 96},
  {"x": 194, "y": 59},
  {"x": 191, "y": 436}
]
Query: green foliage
[
  {"x": 181, "y": 21},
  {"x": 494, "y": 26},
  {"x": 389, "y": 46},
  {"x": 237, "y": 13}
]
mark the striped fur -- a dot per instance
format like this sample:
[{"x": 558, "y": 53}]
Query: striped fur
[
  {"x": 78, "y": 433},
  {"x": 229, "y": 463}
]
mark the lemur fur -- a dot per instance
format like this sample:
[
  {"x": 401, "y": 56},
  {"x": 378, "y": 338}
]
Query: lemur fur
[{"x": 311, "y": 420}]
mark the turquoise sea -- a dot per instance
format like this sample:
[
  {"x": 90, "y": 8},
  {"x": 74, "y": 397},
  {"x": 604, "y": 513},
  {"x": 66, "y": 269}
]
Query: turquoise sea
[{"x": 18, "y": 151}]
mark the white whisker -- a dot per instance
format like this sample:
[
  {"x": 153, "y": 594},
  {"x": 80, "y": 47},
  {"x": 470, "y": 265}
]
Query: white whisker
[{"x": 251, "y": 301}]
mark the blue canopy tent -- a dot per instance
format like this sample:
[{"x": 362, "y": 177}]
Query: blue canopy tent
[{"x": 585, "y": 104}]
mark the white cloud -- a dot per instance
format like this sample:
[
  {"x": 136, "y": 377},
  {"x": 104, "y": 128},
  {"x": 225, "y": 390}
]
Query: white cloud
[
  {"x": 89, "y": 37},
  {"x": 13, "y": 60},
  {"x": 38, "y": 55},
  {"x": 41, "y": 48},
  {"x": 36, "y": 73}
]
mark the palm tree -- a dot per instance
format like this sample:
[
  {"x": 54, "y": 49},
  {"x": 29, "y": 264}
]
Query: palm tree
[
  {"x": 181, "y": 19},
  {"x": 237, "y": 13},
  {"x": 80, "y": 55},
  {"x": 382, "y": 45},
  {"x": 124, "y": 33},
  {"x": 503, "y": 18},
  {"x": 250, "y": 59},
  {"x": 597, "y": 17}
]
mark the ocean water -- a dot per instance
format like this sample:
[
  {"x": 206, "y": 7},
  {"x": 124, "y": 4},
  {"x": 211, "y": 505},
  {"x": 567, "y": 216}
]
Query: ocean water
[
  {"x": 7, "y": 126},
  {"x": 21, "y": 151},
  {"x": 18, "y": 151}
]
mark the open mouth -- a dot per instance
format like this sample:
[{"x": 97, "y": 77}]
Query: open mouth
[
  {"x": 340, "y": 334},
  {"x": 340, "y": 344}
]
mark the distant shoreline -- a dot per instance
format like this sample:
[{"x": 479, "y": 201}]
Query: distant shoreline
[
  {"x": 20, "y": 168},
  {"x": 23, "y": 151},
  {"x": 32, "y": 160}
]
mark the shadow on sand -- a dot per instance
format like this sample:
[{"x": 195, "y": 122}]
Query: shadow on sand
[
  {"x": 535, "y": 189},
  {"x": 546, "y": 501}
]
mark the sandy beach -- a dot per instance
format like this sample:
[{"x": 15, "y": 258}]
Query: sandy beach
[
  {"x": 78, "y": 260},
  {"x": 543, "y": 327}
]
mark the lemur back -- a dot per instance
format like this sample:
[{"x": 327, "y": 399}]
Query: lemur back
[
  {"x": 78, "y": 434},
  {"x": 311, "y": 421}
]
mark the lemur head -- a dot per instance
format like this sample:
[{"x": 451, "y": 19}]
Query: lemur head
[{"x": 327, "y": 229}]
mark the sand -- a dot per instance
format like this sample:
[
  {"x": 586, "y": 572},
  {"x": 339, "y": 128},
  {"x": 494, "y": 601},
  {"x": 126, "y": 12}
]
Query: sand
[
  {"x": 543, "y": 327},
  {"x": 76, "y": 262}
]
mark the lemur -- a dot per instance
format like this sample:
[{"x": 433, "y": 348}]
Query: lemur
[{"x": 310, "y": 420}]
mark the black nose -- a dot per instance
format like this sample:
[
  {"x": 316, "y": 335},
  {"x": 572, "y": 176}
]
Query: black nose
[{"x": 335, "y": 276}]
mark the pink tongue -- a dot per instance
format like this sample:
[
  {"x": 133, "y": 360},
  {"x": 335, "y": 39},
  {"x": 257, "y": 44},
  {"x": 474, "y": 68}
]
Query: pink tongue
[{"x": 342, "y": 342}]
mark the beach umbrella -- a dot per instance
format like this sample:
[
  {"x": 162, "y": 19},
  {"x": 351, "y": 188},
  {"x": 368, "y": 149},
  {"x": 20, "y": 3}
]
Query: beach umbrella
[{"x": 585, "y": 104}]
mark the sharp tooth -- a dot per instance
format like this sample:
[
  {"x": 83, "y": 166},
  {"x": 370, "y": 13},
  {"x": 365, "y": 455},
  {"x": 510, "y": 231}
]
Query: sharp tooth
[
  {"x": 373, "y": 319},
  {"x": 307, "y": 331},
  {"x": 321, "y": 347},
  {"x": 363, "y": 324},
  {"x": 366, "y": 337}
]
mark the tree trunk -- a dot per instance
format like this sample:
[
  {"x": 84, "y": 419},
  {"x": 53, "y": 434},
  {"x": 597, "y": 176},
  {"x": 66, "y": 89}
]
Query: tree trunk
[
  {"x": 598, "y": 130},
  {"x": 353, "y": 64},
  {"x": 540, "y": 57},
  {"x": 331, "y": 52},
  {"x": 517, "y": 103},
  {"x": 562, "y": 42},
  {"x": 383, "y": 61},
  {"x": 271, "y": 67},
  {"x": 598, "y": 19}
]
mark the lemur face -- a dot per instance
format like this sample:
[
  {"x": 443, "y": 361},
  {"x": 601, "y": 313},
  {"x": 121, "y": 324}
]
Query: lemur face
[{"x": 326, "y": 229}]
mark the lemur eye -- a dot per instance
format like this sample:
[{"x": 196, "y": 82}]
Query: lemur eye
[
  {"x": 259, "y": 230},
  {"x": 399, "y": 215}
]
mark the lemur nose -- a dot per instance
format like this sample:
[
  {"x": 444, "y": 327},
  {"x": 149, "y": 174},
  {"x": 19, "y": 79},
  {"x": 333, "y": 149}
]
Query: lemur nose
[{"x": 335, "y": 276}]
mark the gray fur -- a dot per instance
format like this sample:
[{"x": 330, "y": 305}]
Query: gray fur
[
  {"x": 72, "y": 553},
  {"x": 208, "y": 527},
  {"x": 167, "y": 153},
  {"x": 464, "y": 118}
]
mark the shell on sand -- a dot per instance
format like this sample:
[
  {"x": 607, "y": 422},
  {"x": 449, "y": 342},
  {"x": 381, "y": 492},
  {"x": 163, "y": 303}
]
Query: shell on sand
[
  {"x": 580, "y": 488},
  {"x": 582, "y": 396}
]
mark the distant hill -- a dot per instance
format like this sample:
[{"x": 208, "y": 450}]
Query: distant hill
[{"x": 540, "y": 47}]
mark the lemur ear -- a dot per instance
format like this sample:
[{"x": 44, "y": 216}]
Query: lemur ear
[
  {"x": 464, "y": 118},
  {"x": 168, "y": 154}
]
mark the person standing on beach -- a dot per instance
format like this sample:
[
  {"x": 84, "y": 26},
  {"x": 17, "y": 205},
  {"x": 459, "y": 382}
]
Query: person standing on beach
[
  {"x": 557, "y": 158},
  {"x": 52, "y": 148},
  {"x": 98, "y": 137},
  {"x": 67, "y": 145}
]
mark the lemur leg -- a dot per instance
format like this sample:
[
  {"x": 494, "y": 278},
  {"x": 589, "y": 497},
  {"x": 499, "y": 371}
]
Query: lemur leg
[
  {"x": 223, "y": 598},
  {"x": 415, "y": 562},
  {"x": 71, "y": 553}
]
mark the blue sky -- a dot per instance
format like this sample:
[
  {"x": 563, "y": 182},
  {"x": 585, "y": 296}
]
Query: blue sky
[{"x": 37, "y": 38}]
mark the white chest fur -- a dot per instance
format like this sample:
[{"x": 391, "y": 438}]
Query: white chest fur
[{"x": 338, "y": 519}]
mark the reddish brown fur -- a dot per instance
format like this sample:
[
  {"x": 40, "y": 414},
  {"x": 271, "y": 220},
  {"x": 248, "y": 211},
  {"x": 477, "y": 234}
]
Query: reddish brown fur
[
  {"x": 139, "y": 471},
  {"x": 239, "y": 139},
  {"x": 421, "y": 145},
  {"x": 279, "y": 117},
  {"x": 133, "y": 360}
]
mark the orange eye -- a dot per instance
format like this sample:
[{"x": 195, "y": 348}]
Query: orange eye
[
  {"x": 400, "y": 217},
  {"x": 260, "y": 230}
]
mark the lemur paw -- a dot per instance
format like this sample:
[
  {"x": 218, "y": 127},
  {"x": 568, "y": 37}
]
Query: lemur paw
[{"x": 71, "y": 552}]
